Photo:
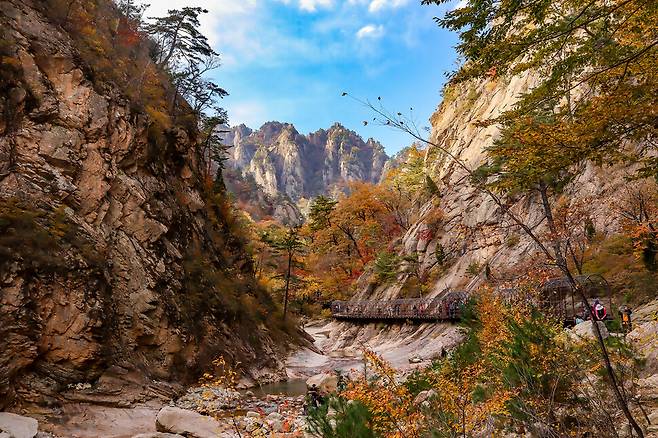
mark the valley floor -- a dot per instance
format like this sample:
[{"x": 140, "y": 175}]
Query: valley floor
[{"x": 337, "y": 347}]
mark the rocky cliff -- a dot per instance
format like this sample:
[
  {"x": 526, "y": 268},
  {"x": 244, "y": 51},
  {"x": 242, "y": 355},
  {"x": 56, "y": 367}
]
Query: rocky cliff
[
  {"x": 285, "y": 162},
  {"x": 117, "y": 269}
]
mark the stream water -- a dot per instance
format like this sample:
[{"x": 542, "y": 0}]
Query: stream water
[{"x": 290, "y": 388}]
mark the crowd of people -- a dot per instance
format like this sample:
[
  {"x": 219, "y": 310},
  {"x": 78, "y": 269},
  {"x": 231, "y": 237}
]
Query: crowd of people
[{"x": 446, "y": 308}]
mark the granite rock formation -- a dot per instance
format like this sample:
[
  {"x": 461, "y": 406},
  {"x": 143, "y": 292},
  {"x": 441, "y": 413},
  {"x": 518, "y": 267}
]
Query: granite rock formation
[{"x": 284, "y": 162}]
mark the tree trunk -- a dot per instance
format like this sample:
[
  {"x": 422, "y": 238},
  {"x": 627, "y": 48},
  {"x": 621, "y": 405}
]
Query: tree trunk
[{"x": 285, "y": 296}]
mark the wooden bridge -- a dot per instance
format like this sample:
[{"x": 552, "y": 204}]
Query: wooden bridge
[
  {"x": 558, "y": 298},
  {"x": 447, "y": 308}
]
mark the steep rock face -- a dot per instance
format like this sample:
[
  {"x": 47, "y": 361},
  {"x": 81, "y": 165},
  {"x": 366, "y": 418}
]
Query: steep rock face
[
  {"x": 285, "y": 162},
  {"x": 472, "y": 228},
  {"x": 252, "y": 199},
  {"x": 93, "y": 294}
]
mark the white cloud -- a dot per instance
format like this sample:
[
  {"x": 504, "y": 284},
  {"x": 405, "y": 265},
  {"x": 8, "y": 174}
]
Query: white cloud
[
  {"x": 251, "y": 113},
  {"x": 219, "y": 24},
  {"x": 379, "y": 5},
  {"x": 310, "y": 5},
  {"x": 370, "y": 31}
]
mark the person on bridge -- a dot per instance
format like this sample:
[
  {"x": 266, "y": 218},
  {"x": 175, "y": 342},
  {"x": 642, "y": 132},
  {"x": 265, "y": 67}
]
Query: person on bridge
[{"x": 599, "y": 311}]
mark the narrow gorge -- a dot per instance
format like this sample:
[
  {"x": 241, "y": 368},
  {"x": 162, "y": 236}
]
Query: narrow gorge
[{"x": 170, "y": 268}]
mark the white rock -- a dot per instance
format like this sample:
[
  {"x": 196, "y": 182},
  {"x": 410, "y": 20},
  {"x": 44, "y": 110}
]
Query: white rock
[
  {"x": 275, "y": 416},
  {"x": 275, "y": 425},
  {"x": 585, "y": 330},
  {"x": 424, "y": 396},
  {"x": 327, "y": 383},
  {"x": 187, "y": 423},
  {"x": 18, "y": 426},
  {"x": 252, "y": 414},
  {"x": 644, "y": 338}
]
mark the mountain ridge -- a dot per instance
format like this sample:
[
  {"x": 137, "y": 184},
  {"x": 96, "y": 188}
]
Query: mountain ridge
[{"x": 301, "y": 166}]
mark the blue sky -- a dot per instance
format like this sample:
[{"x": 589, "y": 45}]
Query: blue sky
[{"x": 290, "y": 60}]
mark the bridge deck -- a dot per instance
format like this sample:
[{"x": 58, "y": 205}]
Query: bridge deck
[{"x": 414, "y": 309}]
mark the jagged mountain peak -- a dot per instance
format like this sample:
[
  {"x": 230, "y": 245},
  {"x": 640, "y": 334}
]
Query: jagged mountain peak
[{"x": 285, "y": 162}]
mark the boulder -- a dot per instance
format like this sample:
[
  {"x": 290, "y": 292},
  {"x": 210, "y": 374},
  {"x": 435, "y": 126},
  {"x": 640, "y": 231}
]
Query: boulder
[
  {"x": 585, "y": 330},
  {"x": 275, "y": 425},
  {"x": 424, "y": 396},
  {"x": 327, "y": 383},
  {"x": 415, "y": 359},
  {"x": 17, "y": 426},
  {"x": 643, "y": 338},
  {"x": 188, "y": 423},
  {"x": 275, "y": 416}
]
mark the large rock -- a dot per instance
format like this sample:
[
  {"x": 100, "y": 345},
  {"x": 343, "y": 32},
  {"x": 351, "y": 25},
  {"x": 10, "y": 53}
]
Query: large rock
[
  {"x": 424, "y": 396},
  {"x": 18, "y": 426},
  {"x": 585, "y": 330},
  {"x": 187, "y": 423},
  {"x": 284, "y": 162},
  {"x": 209, "y": 399},
  {"x": 327, "y": 383}
]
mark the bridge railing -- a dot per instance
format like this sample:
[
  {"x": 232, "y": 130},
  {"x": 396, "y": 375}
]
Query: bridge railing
[{"x": 446, "y": 308}]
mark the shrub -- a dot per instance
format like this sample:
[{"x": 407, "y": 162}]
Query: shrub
[
  {"x": 386, "y": 266},
  {"x": 37, "y": 238},
  {"x": 474, "y": 268}
]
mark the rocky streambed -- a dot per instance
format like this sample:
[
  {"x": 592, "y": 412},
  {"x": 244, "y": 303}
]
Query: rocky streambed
[
  {"x": 276, "y": 409},
  {"x": 273, "y": 409}
]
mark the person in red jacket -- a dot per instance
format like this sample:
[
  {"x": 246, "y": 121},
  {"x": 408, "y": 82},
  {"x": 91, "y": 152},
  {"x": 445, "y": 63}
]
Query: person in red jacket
[{"x": 599, "y": 311}]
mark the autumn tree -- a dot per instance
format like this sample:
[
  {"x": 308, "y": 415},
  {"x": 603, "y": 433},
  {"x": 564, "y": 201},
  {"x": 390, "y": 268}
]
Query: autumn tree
[
  {"x": 639, "y": 211},
  {"x": 213, "y": 148},
  {"x": 288, "y": 244},
  {"x": 132, "y": 10},
  {"x": 319, "y": 216}
]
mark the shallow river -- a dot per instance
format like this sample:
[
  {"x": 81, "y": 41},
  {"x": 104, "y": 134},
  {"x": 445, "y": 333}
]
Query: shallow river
[{"x": 290, "y": 388}]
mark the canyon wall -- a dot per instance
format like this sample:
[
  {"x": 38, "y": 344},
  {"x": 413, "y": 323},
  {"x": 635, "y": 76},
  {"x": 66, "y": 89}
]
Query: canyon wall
[{"x": 116, "y": 270}]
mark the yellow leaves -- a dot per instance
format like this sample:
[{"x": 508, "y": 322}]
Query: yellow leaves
[
  {"x": 225, "y": 376},
  {"x": 11, "y": 61},
  {"x": 391, "y": 403},
  {"x": 158, "y": 116}
]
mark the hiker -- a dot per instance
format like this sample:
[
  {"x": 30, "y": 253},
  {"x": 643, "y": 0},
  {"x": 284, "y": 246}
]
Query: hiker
[
  {"x": 599, "y": 311},
  {"x": 314, "y": 397},
  {"x": 341, "y": 383},
  {"x": 625, "y": 313}
]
